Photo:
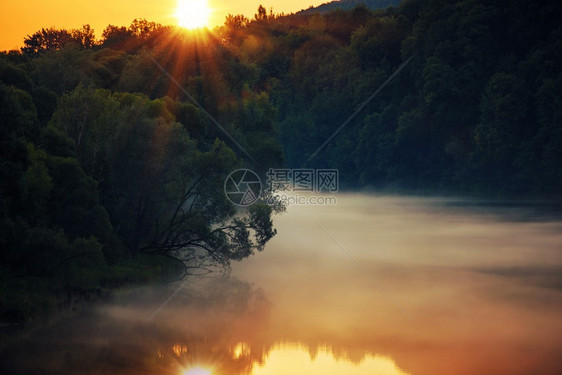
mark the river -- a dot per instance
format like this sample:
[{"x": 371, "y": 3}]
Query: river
[{"x": 372, "y": 285}]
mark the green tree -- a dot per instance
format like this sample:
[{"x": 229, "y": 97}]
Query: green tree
[
  {"x": 46, "y": 40},
  {"x": 112, "y": 35},
  {"x": 236, "y": 22},
  {"x": 89, "y": 118},
  {"x": 261, "y": 15},
  {"x": 84, "y": 36}
]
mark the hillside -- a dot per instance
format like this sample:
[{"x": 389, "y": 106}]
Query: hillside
[{"x": 350, "y": 4}]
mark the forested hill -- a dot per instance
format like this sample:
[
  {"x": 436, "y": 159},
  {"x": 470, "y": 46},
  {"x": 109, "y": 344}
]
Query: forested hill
[
  {"x": 350, "y": 4},
  {"x": 477, "y": 110}
]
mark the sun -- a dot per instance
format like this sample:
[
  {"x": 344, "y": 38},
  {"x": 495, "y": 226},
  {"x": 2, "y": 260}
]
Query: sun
[{"x": 193, "y": 14}]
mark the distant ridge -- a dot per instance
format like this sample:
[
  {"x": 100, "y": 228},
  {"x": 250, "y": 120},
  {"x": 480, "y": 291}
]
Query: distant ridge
[{"x": 350, "y": 4}]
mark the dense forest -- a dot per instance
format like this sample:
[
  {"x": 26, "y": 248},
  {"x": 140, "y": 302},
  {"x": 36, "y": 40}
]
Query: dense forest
[
  {"x": 477, "y": 110},
  {"x": 112, "y": 169},
  {"x": 109, "y": 177}
]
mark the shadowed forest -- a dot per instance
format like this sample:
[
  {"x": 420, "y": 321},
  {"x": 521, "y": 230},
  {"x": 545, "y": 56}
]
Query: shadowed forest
[{"x": 112, "y": 175}]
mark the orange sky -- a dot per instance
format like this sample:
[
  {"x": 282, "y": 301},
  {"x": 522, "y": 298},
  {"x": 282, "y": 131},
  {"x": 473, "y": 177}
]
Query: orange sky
[{"x": 19, "y": 18}]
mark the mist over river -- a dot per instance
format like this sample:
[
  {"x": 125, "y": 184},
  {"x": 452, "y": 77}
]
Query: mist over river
[{"x": 372, "y": 285}]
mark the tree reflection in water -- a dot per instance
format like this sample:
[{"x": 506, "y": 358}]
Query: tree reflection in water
[{"x": 219, "y": 325}]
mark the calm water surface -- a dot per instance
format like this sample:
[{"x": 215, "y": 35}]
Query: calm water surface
[{"x": 373, "y": 285}]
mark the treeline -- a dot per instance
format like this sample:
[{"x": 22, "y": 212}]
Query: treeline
[
  {"x": 349, "y": 5},
  {"x": 478, "y": 110},
  {"x": 110, "y": 175}
]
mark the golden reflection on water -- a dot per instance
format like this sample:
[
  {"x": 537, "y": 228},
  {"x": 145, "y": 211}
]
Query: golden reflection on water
[
  {"x": 297, "y": 359},
  {"x": 197, "y": 371},
  {"x": 241, "y": 350},
  {"x": 482, "y": 285}
]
